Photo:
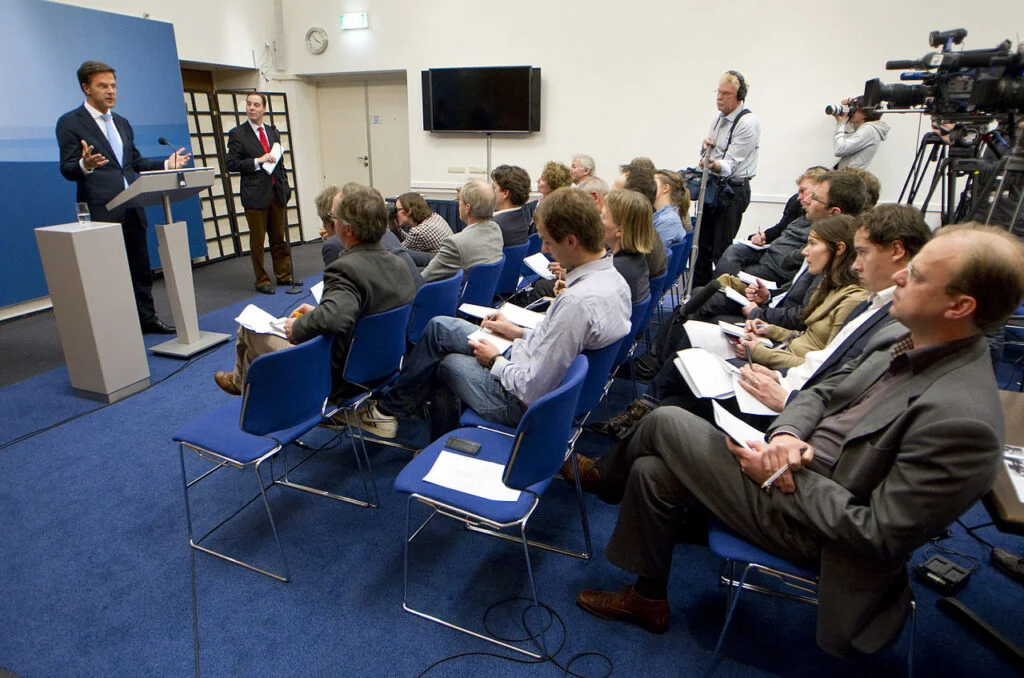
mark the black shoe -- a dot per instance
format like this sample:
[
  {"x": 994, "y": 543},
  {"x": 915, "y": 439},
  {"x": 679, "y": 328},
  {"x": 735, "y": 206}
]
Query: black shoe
[
  {"x": 265, "y": 288},
  {"x": 1009, "y": 563},
  {"x": 157, "y": 326},
  {"x": 618, "y": 426}
]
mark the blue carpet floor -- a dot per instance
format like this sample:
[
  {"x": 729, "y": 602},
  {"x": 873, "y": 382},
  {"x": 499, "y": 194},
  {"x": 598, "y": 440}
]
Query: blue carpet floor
[{"x": 94, "y": 569}]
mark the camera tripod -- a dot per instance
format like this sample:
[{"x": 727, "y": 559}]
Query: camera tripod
[
  {"x": 947, "y": 163},
  {"x": 1001, "y": 197}
]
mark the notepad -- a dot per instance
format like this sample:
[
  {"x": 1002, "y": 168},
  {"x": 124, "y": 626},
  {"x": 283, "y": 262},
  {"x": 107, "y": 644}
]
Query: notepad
[
  {"x": 707, "y": 375},
  {"x": 752, "y": 279},
  {"x": 732, "y": 294},
  {"x": 317, "y": 291},
  {"x": 516, "y": 315},
  {"x": 538, "y": 263},
  {"x": 501, "y": 343},
  {"x": 269, "y": 167},
  {"x": 734, "y": 427},
  {"x": 738, "y": 331},
  {"x": 470, "y": 475},
  {"x": 256, "y": 319},
  {"x": 748, "y": 243}
]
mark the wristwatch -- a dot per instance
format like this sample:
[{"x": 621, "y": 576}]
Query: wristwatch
[{"x": 490, "y": 363}]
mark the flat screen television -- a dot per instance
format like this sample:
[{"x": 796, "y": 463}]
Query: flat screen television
[{"x": 486, "y": 99}]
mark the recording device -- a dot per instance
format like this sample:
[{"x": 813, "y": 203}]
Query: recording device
[
  {"x": 943, "y": 575},
  {"x": 838, "y": 109},
  {"x": 164, "y": 142},
  {"x": 462, "y": 445},
  {"x": 969, "y": 86}
]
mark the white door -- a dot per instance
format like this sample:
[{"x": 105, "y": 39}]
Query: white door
[{"x": 365, "y": 134}]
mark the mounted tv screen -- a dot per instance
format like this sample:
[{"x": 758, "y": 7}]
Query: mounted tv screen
[{"x": 494, "y": 99}]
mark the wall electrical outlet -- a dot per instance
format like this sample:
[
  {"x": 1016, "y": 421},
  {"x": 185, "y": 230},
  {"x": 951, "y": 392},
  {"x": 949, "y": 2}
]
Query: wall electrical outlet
[
  {"x": 456, "y": 170},
  {"x": 478, "y": 170}
]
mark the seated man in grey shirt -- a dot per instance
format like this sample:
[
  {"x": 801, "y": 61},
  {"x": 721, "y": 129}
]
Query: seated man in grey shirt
[{"x": 444, "y": 367}]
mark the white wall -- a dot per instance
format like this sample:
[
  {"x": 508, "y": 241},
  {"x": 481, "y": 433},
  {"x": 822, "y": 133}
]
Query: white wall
[{"x": 620, "y": 79}]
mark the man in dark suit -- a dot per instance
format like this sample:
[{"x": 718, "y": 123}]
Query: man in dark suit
[
  {"x": 364, "y": 279},
  {"x": 264, "y": 196},
  {"x": 882, "y": 455},
  {"x": 97, "y": 152},
  {"x": 511, "y": 186}
]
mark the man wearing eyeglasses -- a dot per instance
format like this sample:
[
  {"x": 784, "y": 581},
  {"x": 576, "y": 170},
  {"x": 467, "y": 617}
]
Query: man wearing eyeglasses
[{"x": 732, "y": 149}]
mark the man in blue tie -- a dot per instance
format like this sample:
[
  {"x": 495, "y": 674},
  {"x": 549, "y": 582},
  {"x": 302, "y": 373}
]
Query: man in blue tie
[{"x": 97, "y": 152}]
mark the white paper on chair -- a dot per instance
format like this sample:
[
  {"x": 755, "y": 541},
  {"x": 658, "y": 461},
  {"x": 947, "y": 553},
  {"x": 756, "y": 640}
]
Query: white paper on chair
[
  {"x": 268, "y": 167},
  {"x": 707, "y": 375},
  {"x": 709, "y": 337},
  {"x": 1014, "y": 460},
  {"x": 751, "y": 279},
  {"x": 318, "y": 291},
  {"x": 538, "y": 263},
  {"x": 749, "y": 243},
  {"x": 256, "y": 319},
  {"x": 734, "y": 427},
  {"x": 733, "y": 295},
  {"x": 470, "y": 475},
  {"x": 747, "y": 402},
  {"x": 501, "y": 343}
]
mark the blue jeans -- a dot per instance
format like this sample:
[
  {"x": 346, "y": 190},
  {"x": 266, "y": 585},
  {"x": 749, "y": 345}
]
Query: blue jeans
[{"x": 441, "y": 368}]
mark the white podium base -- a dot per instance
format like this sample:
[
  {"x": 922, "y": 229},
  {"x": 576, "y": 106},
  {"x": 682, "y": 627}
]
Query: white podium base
[
  {"x": 176, "y": 349},
  {"x": 113, "y": 397}
]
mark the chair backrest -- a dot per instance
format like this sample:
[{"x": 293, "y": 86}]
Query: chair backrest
[
  {"x": 684, "y": 258},
  {"x": 508, "y": 280},
  {"x": 539, "y": 446},
  {"x": 599, "y": 369},
  {"x": 636, "y": 317},
  {"x": 377, "y": 346},
  {"x": 676, "y": 260},
  {"x": 481, "y": 281},
  {"x": 440, "y": 297},
  {"x": 657, "y": 290},
  {"x": 286, "y": 388},
  {"x": 534, "y": 244}
]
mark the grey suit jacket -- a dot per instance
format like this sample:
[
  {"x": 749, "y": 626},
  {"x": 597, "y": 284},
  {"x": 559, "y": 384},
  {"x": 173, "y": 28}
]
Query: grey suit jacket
[
  {"x": 364, "y": 278},
  {"x": 909, "y": 468},
  {"x": 480, "y": 243}
]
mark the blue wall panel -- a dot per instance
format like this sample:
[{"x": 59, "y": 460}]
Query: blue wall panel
[{"x": 46, "y": 42}]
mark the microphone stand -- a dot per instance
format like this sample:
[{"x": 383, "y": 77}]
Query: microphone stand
[
  {"x": 694, "y": 247},
  {"x": 296, "y": 286}
]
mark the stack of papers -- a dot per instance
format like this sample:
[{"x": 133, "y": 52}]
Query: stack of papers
[
  {"x": 538, "y": 263},
  {"x": 268, "y": 167},
  {"x": 259, "y": 321},
  {"x": 470, "y": 475},
  {"x": 709, "y": 376},
  {"x": 515, "y": 314}
]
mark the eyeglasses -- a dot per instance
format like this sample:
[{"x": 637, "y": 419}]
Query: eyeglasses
[
  {"x": 815, "y": 198},
  {"x": 914, "y": 274}
]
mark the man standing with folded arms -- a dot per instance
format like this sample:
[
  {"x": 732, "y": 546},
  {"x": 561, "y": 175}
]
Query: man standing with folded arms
[
  {"x": 97, "y": 152},
  {"x": 264, "y": 196}
]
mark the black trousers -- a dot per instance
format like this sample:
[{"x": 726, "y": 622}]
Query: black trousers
[
  {"x": 133, "y": 229},
  {"x": 719, "y": 226}
]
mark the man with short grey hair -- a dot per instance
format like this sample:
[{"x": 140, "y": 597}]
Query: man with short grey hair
[
  {"x": 480, "y": 242},
  {"x": 582, "y": 168}
]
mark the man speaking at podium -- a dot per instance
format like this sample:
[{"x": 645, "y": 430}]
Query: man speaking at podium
[{"x": 97, "y": 151}]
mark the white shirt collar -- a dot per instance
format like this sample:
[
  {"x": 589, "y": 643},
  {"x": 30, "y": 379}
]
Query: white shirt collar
[
  {"x": 94, "y": 112},
  {"x": 256, "y": 128},
  {"x": 883, "y": 297}
]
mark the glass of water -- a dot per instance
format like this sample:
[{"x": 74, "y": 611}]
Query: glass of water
[{"x": 82, "y": 209}]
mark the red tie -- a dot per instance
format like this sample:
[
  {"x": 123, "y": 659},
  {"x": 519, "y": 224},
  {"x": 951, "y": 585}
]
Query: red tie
[{"x": 266, "y": 149}]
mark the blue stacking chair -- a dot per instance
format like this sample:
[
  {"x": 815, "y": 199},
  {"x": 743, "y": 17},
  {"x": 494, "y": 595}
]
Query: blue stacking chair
[
  {"x": 508, "y": 281},
  {"x": 799, "y": 584},
  {"x": 637, "y": 318},
  {"x": 534, "y": 244},
  {"x": 599, "y": 368},
  {"x": 438, "y": 298},
  {"x": 531, "y": 457},
  {"x": 481, "y": 281},
  {"x": 373, "y": 362},
  {"x": 657, "y": 286},
  {"x": 284, "y": 396},
  {"x": 680, "y": 253}
]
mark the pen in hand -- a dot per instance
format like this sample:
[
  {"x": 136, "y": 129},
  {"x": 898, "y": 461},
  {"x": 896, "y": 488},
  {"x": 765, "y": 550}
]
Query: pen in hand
[
  {"x": 750, "y": 364},
  {"x": 768, "y": 484}
]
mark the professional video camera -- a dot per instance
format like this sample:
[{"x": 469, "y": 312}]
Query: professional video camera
[{"x": 970, "y": 86}]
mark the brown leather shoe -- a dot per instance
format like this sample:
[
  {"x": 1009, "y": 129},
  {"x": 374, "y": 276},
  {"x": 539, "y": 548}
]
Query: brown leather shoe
[
  {"x": 590, "y": 477},
  {"x": 226, "y": 381},
  {"x": 628, "y": 606},
  {"x": 1009, "y": 563}
]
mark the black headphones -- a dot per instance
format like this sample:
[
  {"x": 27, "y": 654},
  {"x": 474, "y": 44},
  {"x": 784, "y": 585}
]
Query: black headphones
[{"x": 741, "y": 91}]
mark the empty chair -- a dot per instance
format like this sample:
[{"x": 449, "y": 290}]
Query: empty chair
[
  {"x": 438, "y": 298},
  {"x": 283, "y": 397},
  {"x": 636, "y": 327},
  {"x": 530, "y": 459},
  {"x": 508, "y": 280},
  {"x": 481, "y": 281}
]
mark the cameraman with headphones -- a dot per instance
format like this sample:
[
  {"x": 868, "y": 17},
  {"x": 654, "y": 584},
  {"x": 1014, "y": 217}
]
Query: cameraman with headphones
[
  {"x": 733, "y": 144},
  {"x": 859, "y": 133}
]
